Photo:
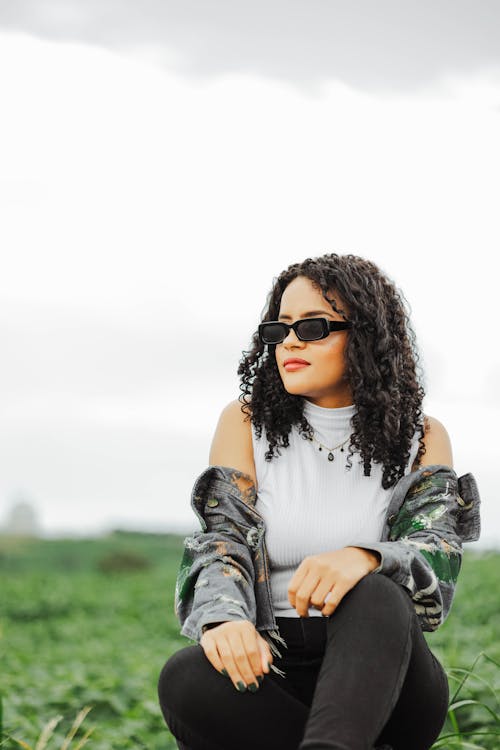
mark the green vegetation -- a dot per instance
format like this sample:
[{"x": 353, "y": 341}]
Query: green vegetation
[
  {"x": 86, "y": 626},
  {"x": 88, "y": 623}
]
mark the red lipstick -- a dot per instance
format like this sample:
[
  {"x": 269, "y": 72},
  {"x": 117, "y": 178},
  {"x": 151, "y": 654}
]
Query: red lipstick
[{"x": 294, "y": 363}]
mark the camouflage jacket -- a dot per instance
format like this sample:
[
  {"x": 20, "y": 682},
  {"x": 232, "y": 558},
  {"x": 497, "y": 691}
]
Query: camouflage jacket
[{"x": 224, "y": 572}]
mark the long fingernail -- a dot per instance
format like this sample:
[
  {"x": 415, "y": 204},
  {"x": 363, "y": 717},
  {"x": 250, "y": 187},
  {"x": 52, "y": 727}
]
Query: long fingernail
[{"x": 241, "y": 686}]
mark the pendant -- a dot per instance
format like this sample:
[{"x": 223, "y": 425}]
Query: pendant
[{"x": 330, "y": 456}]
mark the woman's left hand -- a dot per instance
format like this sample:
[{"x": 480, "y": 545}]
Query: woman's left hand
[{"x": 334, "y": 572}]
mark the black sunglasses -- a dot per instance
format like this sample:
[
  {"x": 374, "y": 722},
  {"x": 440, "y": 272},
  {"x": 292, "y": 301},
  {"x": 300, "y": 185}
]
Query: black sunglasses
[{"x": 306, "y": 329}]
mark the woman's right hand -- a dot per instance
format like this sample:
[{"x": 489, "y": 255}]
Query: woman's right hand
[{"x": 238, "y": 647}]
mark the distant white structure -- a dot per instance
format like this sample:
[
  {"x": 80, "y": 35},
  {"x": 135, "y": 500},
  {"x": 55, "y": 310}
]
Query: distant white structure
[{"x": 21, "y": 520}]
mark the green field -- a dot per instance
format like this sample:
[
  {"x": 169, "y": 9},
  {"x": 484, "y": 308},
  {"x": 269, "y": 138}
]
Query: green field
[{"x": 91, "y": 623}]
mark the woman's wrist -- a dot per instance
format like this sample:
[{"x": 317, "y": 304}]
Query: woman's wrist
[
  {"x": 210, "y": 625},
  {"x": 374, "y": 558}
]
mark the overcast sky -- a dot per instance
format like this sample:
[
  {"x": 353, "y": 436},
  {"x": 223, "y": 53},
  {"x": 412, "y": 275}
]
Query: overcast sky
[
  {"x": 159, "y": 166},
  {"x": 384, "y": 45}
]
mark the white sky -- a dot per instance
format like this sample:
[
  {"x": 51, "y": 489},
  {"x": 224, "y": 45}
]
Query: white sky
[{"x": 143, "y": 218}]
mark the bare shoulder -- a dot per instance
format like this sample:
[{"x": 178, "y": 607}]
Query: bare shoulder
[
  {"x": 232, "y": 441},
  {"x": 437, "y": 443}
]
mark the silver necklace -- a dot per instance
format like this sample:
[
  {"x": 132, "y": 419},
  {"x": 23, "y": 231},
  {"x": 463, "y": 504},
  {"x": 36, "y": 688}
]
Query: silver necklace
[{"x": 330, "y": 450}]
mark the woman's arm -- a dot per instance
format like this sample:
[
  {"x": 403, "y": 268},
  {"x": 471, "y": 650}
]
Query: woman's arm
[
  {"x": 215, "y": 594},
  {"x": 437, "y": 512},
  {"x": 232, "y": 441},
  {"x": 437, "y": 444},
  {"x": 209, "y": 576}
]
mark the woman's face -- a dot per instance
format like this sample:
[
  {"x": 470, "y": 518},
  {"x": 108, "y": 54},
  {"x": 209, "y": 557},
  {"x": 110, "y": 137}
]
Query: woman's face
[{"x": 322, "y": 381}]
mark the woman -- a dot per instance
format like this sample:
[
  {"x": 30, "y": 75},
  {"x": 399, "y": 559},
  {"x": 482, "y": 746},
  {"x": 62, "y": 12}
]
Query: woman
[{"x": 319, "y": 479}]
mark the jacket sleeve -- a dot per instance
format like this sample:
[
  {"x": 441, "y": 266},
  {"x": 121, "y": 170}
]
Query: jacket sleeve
[
  {"x": 215, "y": 582},
  {"x": 423, "y": 551}
]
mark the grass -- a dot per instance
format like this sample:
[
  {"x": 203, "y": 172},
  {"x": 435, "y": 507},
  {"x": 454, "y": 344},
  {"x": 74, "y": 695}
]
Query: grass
[
  {"x": 48, "y": 732},
  {"x": 86, "y": 626}
]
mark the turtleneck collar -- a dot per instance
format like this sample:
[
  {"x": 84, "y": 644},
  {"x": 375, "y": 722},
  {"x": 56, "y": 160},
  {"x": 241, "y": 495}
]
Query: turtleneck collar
[
  {"x": 328, "y": 418},
  {"x": 328, "y": 410}
]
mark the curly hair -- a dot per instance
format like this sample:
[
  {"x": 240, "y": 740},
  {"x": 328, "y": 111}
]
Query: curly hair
[{"x": 382, "y": 367}]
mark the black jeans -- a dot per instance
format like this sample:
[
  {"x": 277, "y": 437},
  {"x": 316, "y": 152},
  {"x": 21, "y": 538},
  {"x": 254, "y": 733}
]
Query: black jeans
[{"x": 362, "y": 678}]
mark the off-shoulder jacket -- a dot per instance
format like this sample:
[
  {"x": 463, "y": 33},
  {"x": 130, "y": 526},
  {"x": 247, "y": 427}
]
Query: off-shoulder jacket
[{"x": 224, "y": 571}]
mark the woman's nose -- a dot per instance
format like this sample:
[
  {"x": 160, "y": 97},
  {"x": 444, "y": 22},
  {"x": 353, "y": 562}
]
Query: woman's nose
[{"x": 291, "y": 339}]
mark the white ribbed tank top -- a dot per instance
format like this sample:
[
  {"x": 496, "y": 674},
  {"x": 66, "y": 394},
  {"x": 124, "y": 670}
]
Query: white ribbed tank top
[{"x": 312, "y": 505}]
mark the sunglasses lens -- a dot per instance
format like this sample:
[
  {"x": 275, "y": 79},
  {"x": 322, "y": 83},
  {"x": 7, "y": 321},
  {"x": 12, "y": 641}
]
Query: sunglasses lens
[
  {"x": 310, "y": 330},
  {"x": 272, "y": 333}
]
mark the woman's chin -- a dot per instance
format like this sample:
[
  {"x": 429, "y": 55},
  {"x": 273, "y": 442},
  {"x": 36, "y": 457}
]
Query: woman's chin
[{"x": 295, "y": 389}]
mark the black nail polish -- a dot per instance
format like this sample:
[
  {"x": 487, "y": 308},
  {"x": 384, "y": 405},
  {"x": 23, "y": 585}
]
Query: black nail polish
[
  {"x": 260, "y": 678},
  {"x": 224, "y": 672},
  {"x": 253, "y": 687},
  {"x": 241, "y": 686}
]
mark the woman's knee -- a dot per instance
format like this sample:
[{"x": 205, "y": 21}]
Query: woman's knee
[
  {"x": 383, "y": 587},
  {"x": 179, "y": 676},
  {"x": 377, "y": 579},
  {"x": 376, "y": 591},
  {"x": 188, "y": 691}
]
